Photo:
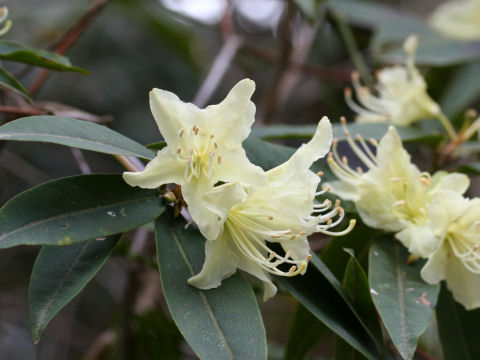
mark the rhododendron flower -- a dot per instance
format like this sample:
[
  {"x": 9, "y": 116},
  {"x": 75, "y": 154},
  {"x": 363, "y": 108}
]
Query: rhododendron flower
[
  {"x": 456, "y": 221},
  {"x": 204, "y": 146},
  {"x": 458, "y": 19},
  {"x": 401, "y": 93},
  {"x": 393, "y": 194},
  {"x": 283, "y": 211}
]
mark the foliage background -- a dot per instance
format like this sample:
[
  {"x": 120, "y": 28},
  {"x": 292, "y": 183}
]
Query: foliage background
[{"x": 131, "y": 47}]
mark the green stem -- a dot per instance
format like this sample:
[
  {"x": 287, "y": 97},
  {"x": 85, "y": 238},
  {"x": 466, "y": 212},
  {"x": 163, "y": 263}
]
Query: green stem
[
  {"x": 447, "y": 125},
  {"x": 352, "y": 48}
]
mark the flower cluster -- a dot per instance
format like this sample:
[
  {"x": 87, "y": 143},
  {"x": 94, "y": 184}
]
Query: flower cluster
[
  {"x": 458, "y": 19},
  {"x": 402, "y": 93},
  {"x": 238, "y": 207},
  {"x": 427, "y": 213}
]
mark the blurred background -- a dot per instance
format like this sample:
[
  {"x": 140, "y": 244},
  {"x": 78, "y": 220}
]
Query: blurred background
[{"x": 300, "y": 59}]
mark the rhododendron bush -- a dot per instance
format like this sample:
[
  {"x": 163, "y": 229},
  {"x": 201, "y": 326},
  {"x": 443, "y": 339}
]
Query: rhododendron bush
[{"x": 281, "y": 180}]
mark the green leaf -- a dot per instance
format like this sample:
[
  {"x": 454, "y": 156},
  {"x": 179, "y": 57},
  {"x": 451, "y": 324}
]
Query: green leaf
[
  {"x": 221, "y": 323},
  {"x": 9, "y": 82},
  {"x": 367, "y": 130},
  {"x": 458, "y": 328},
  {"x": 356, "y": 286},
  {"x": 13, "y": 51},
  {"x": 403, "y": 300},
  {"x": 322, "y": 294},
  {"x": 266, "y": 155},
  {"x": 462, "y": 90},
  {"x": 72, "y": 132},
  {"x": 77, "y": 208},
  {"x": 393, "y": 26},
  {"x": 306, "y": 330},
  {"x": 472, "y": 168},
  {"x": 59, "y": 274}
]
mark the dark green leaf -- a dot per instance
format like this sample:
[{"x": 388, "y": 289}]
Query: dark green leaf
[
  {"x": 367, "y": 130},
  {"x": 266, "y": 155},
  {"x": 14, "y": 51},
  {"x": 322, "y": 294},
  {"x": 72, "y": 132},
  {"x": 305, "y": 331},
  {"x": 77, "y": 208},
  {"x": 458, "y": 328},
  {"x": 404, "y": 301},
  {"x": 8, "y": 81},
  {"x": 356, "y": 286},
  {"x": 472, "y": 168},
  {"x": 222, "y": 323},
  {"x": 461, "y": 90},
  {"x": 59, "y": 274}
]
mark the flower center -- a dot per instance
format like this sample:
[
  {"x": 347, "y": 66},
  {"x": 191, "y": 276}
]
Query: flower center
[
  {"x": 199, "y": 151},
  {"x": 463, "y": 244}
]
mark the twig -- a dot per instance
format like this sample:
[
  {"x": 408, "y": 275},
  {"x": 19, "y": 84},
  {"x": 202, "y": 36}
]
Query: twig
[
  {"x": 352, "y": 48},
  {"x": 81, "y": 161},
  {"x": 218, "y": 69},
  {"x": 285, "y": 34},
  {"x": 21, "y": 110},
  {"x": 66, "y": 40},
  {"x": 130, "y": 163}
]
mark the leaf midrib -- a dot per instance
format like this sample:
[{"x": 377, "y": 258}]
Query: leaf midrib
[
  {"x": 35, "y": 223},
  {"x": 401, "y": 300},
  {"x": 202, "y": 295}
]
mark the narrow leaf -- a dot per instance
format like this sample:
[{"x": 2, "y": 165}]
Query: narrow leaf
[
  {"x": 75, "y": 133},
  {"x": 221, "y": 323},
  {"x": 77, "y": 208},
  {"x": 404, "y": 301},
  {"x": 14, "y": 51},
  {"x": 306, "y": 330},
  {"x": 322, "y": 294},
  {"x": 9, "y": 82},
  {"x": 266, "y": 155},
  {"x": 59, "y": 274},
  {"x": 367, "y": 130},
  {"x": 457, "y": 328}
]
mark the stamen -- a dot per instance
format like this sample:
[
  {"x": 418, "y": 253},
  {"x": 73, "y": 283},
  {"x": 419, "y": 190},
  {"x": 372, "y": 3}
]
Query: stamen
[
  {"x": 180, "y": 133},
  {"x": 294, "y": 236},
  {"x": 292, "y": 269},
  {"x": 303, "y": 232},
  {"x": 359, "y": 170},
  {"x": 320, "y": 173},
  {"x": 187, "y": 167}
]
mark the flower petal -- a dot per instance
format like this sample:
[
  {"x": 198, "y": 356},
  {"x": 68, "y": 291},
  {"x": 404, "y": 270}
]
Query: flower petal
[
  {"x": 220, "y": 263},
  {"x": 255, "y": 270},
  {"x": 456, "y": 182},
  {"x": 163, "y": 169},
  {"x": 232, "y": 119},
  {"x": 419, "y": 239},
  {"x": 171, "y": 114},
  {"x": 236, "y": 167}
]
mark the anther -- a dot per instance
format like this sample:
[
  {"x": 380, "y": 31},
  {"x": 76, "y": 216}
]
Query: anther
[
  {"x": 270, "y": 217},
  {"x": 345, "y": 160},
  {"x": 215, "y": 144},
  {"x": 347, "y": 92},
  {"x": 320, "y": 173},
  {"x": 272, "y": 255},
  {"x": 275, "y": 236},
  {"x": 424, "y": 181},
  {"x": 359, "y": 170},
  {"x": 293, "y": 237},
  {"x": 292, "y": 269},
  {"x": 337, "y": 203},
  {"x": 394, "y": 179},
  {"x": 303, "y": 232},
  {"x": 212, "y": 136},
  {"x": 180, "y": 133},
  {"x": 179, "y": 150},
  {"x": 309, "y": 257},
  {"x": 329, "y": 222},
  {"x": 373, "y": 142},
  {"x": 343, "y": 119},
  {"x": 355, "y": 76},
  {"x": 196, "y": 131}
]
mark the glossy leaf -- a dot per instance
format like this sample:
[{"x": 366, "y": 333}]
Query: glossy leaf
[
  {"x": 75, "y": 133},
  {"x": 392, "y": 26},
  {"x": 77, "y": 208},
  {"x": 13, "y": 51},
  {"x": 221, "y": 323},
  {"x": 59, "y": 274},
  {"x": 457, "y": 328},
  {"x": 356, "y": 286},
  {"x": 265, "y": 154},
  {"x": 367, "y": 130},
  {"x": 404, "y": 301},
  {"x": 322, "y": 294},
  {"x": 305, "y": 331},
  {"x": 9, "y": 82}
]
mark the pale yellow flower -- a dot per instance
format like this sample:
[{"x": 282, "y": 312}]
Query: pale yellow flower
[
  {"x": 392, "y": 194},
  {"x": 204, "y": 146},
  {"x": 458, "y": 19},
  {"x": 283, "y": 212},
  {"x": 456, "y": 221},
  {"x": 401, "y": 93}
]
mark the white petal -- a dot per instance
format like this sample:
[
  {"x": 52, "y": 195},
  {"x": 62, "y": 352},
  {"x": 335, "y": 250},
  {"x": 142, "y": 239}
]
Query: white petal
[
  {"x": 434, "y": 270},
  {"x": 220, "y": 263},
  {"x": 456, "y": 182},
  {"x": 163, "y": 169},
  {"x": 254, "y": 269},
  {"x": 419, "y": 239},
  {"x": 231, "y": 120},
  {"x": 391, "y": 155},
  {"x": 171, "y": 114},
  {"x": 344, "y": 190},
  {"x": 235, "y": 167},
  {"x": 318, "y": 146}
]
